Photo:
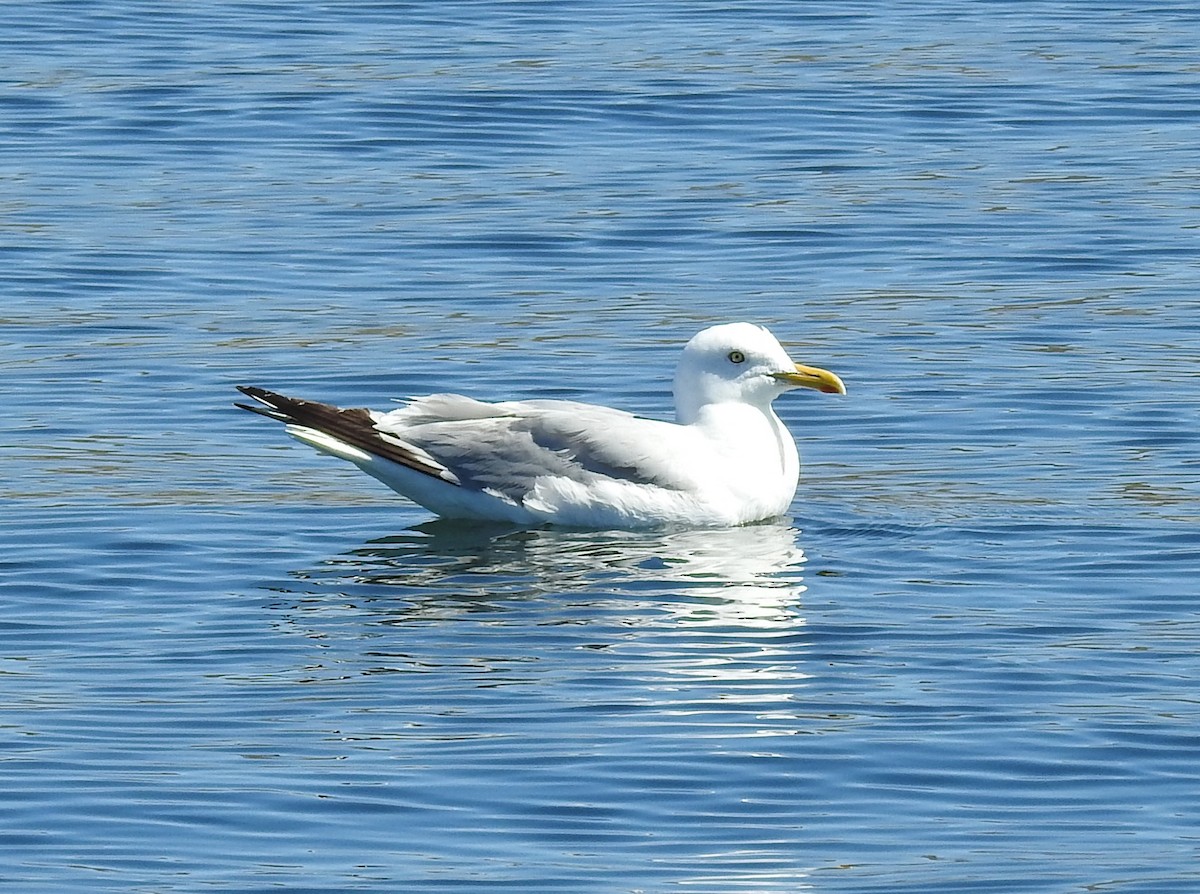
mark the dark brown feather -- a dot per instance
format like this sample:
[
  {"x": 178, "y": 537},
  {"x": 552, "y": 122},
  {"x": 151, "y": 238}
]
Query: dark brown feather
[{"x": 352, "y": 426}]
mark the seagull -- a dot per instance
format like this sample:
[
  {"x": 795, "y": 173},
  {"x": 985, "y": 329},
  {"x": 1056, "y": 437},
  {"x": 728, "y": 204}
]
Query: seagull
[{"x": 727, "y": 459}]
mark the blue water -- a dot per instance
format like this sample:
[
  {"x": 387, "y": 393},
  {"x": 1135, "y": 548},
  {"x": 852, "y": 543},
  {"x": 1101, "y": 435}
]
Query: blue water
[{"x": 966, "y": 662}]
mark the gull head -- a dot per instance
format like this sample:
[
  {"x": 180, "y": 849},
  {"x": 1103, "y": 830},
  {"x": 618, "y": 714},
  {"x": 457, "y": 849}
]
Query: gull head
[{"x": 744, "y": 363}]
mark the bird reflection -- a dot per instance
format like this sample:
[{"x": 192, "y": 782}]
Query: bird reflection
[
  {"x": 742, "y": 576},
  {"x": 683, "y": 623}
]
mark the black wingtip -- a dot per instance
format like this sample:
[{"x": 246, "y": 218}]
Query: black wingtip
[
  {"x": 354, "y": 427},
  {"x": 261, "y": 411},
  {"x": 259, "y": 394},
  {"x": 268, "y": 408}
]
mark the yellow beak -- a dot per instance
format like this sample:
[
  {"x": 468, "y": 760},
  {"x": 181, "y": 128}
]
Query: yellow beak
[{"x": 812, "y": 377}]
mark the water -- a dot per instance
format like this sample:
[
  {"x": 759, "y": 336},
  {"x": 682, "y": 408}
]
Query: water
[{"x": 965, "y": 662}]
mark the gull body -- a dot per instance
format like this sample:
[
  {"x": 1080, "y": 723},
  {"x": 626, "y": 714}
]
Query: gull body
[{"x": 726, "y": 460}]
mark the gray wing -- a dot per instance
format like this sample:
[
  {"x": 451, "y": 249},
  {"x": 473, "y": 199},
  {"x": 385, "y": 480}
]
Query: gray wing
[{"x": 507, "y": 447}]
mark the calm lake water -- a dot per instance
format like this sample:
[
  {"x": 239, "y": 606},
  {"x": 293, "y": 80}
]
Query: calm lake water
[{"x": 967, "y": 661}]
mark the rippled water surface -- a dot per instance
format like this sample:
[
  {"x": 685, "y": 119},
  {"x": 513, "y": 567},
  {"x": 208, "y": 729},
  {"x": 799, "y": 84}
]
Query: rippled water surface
[{"x": 966, "y": 661}]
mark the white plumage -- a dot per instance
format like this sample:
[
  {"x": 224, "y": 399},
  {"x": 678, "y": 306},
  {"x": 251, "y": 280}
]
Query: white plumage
[{"x": 726, "y": 460}]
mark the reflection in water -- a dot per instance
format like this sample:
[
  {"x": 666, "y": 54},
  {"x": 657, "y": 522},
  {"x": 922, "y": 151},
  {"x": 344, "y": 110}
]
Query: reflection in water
[
  {"x": 514, "y": 605},
  {"x": 749, "y": 576},
  {"x": 619, "y": 683}
]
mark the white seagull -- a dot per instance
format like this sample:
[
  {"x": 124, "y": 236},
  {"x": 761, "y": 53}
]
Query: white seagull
[{"x": 726, "y": 460}]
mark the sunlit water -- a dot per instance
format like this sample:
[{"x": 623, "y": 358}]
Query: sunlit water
[{"x": 966, "y": 661}]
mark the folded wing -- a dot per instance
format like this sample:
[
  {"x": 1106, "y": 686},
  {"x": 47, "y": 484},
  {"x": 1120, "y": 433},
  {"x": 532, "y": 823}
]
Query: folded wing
[{"x": 504, "y": 449}]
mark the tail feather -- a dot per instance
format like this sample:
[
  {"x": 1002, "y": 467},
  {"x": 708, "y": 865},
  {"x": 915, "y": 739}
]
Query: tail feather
[{"x": 354, "y": 427}]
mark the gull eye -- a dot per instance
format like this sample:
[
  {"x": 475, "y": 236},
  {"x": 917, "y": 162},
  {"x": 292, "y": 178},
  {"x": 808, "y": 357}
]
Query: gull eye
[{"x": 737, "y": 357}]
